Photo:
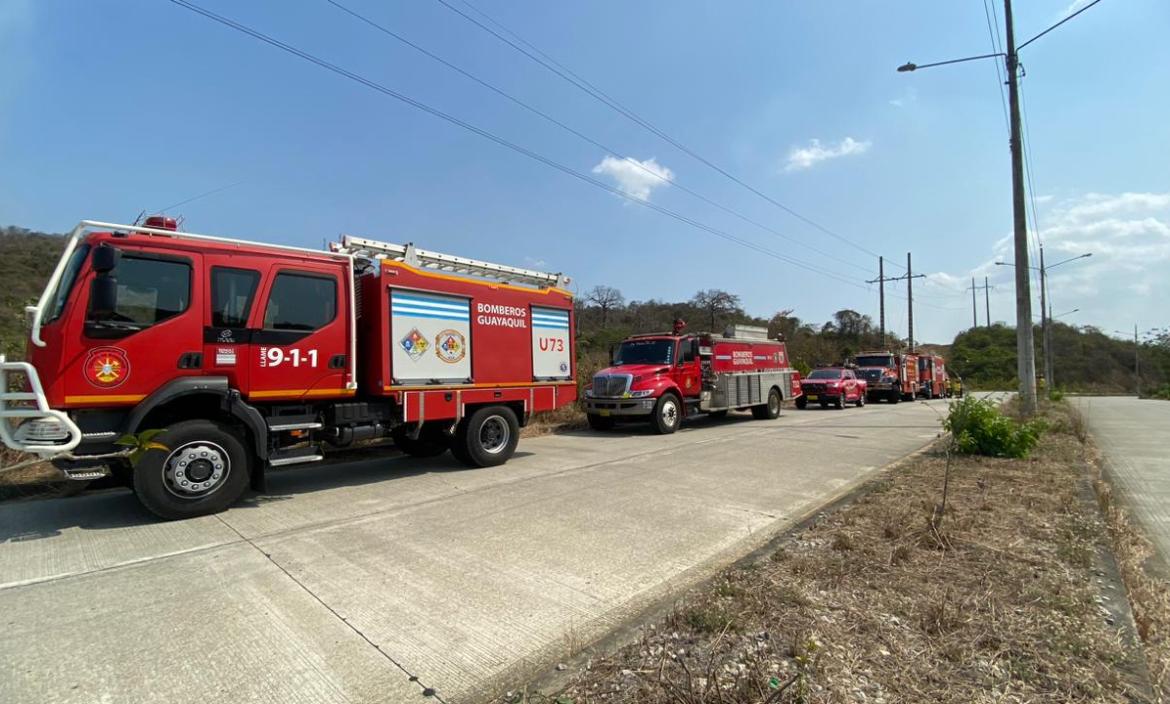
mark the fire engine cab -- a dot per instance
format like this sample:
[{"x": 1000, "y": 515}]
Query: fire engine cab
[
  {"x": 665, "y": 377},
  {"x": 248, "y": 356}
]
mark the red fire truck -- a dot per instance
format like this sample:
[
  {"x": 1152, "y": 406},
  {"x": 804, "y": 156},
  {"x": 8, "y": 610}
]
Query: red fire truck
[
  {"x": 249, "y": 356},
  {"x": 890, "y": 376},
  {"x": 932, "y": 370},
  {"x": 665, "y": 377}
]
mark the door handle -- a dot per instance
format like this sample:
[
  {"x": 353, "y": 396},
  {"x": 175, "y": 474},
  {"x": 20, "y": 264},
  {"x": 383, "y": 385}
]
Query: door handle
[
  {"x": 337, "y": 361},
  {"x": 191, "y": 360}
]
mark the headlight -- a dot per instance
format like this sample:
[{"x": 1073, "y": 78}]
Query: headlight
[
  {"x": 588, "y": 392},
  {"x": 642, "y": 394}
]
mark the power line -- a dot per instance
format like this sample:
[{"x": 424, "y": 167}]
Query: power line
[
  {"x": 996, "y": 47},
  {"x": 1066, "y": 19},
  {"x": 256, "y": 34},
  {"x": 577, "y": 133},
  {"x": 566, "y": 74}
]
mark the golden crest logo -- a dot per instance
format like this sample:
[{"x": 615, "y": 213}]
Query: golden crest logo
[
  {"x": 106, "y": 367},
  {"x": 450, "y": 346}
]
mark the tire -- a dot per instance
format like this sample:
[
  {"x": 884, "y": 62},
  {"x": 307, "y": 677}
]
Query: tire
[
  {"x": 840, "y": 404},
  {"x": 771, "y": 409},
  {"x": 718, "y": 415},
  {"x": 429, "y": 443},
  {"x": 600, "y": 422},
  {"x": 667, "y": 415},
  {"x": 894, "y": 397},
  {"x": 861, "y": 400},
  {"x": 211, "y": 452},
  {"x": 486, "y": 438},
  {"x": 801, "y": 402}
]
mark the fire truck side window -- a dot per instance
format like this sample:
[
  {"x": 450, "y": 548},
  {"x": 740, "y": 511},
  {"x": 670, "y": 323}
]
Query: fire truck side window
[
  {"x": 232, "y": 291},
  {"x": 150, "y": 290},
  {"x": 301, "y": 302}
]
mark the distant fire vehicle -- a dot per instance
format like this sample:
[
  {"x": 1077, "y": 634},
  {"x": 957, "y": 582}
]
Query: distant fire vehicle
[
  {"x": 663, "y": 378},
  {"x": 889, "y": 375},
  {"x": 249, "y": 356},
  {"x": 932, "y": 371},
  {"x": 835, "y": 386}
]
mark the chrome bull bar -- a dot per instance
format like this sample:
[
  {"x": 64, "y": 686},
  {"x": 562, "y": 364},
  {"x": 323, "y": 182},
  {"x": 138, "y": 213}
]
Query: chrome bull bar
[{"x": 42, "y": 431}]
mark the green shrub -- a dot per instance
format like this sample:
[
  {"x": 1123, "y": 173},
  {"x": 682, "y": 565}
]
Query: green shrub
[{"x": 979, "y": 428}]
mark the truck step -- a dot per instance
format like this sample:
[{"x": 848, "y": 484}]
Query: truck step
[
  {"x": 297, "y": 455},
  {"x": 85, "y": 475},
  {"x": 281, "y": 423}
]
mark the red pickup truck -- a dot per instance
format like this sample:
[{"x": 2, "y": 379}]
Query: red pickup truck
[{"x": 832, "y": 385}]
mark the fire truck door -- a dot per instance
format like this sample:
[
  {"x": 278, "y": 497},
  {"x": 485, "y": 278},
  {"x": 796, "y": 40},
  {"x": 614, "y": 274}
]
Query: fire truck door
[
  {"x": 300, "y": 348},
  {"x": 150, "y": 336},
  {"x": 231, "y": 301},
  {"x": 688, "y": 373}
]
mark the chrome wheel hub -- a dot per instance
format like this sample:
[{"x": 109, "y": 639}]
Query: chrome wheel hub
[
  {"x": 669, "y": 413},
  {"x": 494, "y": 435},
  {"x": 196, "y": 469}
]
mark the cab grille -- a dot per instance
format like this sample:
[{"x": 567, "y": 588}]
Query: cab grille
[{"x": 611, "y": 385}]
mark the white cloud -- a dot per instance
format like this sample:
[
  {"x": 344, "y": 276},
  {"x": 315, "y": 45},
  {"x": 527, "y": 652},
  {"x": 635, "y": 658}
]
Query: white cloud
[
  {"x": 1128, "y": 235},
  {"x": 633, "y": 177},
  {"x": 1073, "y": 7},
  {"x": 801, "y": 158}
]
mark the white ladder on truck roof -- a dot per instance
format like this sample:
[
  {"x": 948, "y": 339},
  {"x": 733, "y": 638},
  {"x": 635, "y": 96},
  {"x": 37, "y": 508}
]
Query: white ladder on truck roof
[{"x": 409, "y": 254}]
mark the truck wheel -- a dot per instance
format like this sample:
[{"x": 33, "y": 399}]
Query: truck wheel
[
  {"x": 860, "y": 400},
  {"x": 429, "y": 443},
  {"x": 769, "y": 410},
  {"x": 203, "y": 471},
  {"x": 667, "y": 414},
  {"x": 600, "y": 422},
  {"x": 841, "y": 401},
  {"x": 801, "y": 402},
  {"x": 487, "y": 437},
  {"x": 895, "y": 396}
]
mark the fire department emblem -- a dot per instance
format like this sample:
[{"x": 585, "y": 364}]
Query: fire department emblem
[
  {"x": 450, "y": 346},
  {"x": 415, "y": 344},
  {"x": 106, "y": 367}
]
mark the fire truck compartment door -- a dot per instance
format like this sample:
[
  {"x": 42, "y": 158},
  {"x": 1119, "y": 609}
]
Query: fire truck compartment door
[
  {"x": 550, "y": 344},
  {"x": 430, "y": 337}
]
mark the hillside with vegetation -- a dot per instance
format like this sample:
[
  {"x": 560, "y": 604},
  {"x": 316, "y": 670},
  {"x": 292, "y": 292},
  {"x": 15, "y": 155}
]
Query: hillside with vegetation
[{"x": 27, "y": 259}]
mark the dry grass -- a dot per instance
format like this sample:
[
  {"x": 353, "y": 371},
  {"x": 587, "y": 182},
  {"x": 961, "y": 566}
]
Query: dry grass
[
  {"x": 873, "y": 603},
  {"x": 1147, "y": 586},
  {"x": 569, "y": 417},
  {"x": 38, "y": 479}
]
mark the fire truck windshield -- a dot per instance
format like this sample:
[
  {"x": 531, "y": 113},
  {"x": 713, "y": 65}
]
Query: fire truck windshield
[
  {"x": 645, "y": 352},
  {"x": 875, "y": 360}
]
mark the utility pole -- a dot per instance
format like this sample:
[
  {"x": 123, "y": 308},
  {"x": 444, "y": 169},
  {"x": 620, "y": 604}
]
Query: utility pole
[
  {"x": 1044, "y": 320},
  {"x": 1137, "y": 363},
  {"x": 882, "y": 297},
  {"x": 881, "y": 281},
  {"x": 1025, "y": 349},
  {"x": 910, "y": 300},
  {"x": 987, "y": 300},
  {"x": 974, "y": 313}
]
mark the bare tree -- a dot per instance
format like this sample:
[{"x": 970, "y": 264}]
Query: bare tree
[
  {"x": 717, "y": 303},
  {"x": 606, "y": 298}
]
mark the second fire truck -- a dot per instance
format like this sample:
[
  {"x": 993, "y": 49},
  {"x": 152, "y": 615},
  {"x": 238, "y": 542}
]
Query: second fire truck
[{"x": 662, "y": 378}]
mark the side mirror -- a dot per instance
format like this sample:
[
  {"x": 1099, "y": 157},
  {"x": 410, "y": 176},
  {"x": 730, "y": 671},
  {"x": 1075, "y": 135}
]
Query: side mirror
[
  {"x": 103, "y": 297},
  {"x": 105, "y": 258}
]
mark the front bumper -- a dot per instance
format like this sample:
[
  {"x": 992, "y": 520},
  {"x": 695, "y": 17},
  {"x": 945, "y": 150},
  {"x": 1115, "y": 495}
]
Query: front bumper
[
  {"x": 42, "y": 431},
  {"x": 821, "y": 395},
  {"x": 620, "y": 406}
]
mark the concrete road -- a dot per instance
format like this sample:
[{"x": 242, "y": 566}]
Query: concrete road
[
  {"x": 345, "y": 581},
  {"x": 1134, "y": 436}
]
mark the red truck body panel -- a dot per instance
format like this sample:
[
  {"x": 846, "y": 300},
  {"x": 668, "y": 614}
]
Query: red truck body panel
[{"x": 424, "y": 334}]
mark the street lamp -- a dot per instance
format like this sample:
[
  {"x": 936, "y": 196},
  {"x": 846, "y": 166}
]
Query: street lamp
[{"x": 1046, "y": 310}]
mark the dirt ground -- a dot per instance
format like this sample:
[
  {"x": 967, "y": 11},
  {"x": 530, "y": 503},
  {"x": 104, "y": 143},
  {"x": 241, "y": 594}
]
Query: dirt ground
[{"x": 999, "y": 600}]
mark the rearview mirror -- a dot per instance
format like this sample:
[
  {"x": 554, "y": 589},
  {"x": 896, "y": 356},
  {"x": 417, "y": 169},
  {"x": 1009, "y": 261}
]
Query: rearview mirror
[
  {"x": 105, "y": 258},
  {"x": 103, "y": 297}
]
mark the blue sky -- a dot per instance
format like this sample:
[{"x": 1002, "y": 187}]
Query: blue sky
[{"x": 110, "y": 107}]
